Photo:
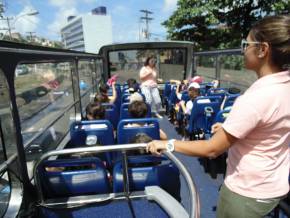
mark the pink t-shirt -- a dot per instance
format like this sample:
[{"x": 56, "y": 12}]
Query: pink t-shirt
[
  {"x": 259, "y": 161},
  {"x": 148, "y": 76}
]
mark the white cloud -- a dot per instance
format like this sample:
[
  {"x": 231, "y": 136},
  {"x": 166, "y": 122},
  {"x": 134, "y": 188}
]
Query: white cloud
[
  {"x": 169, "y": 5},
  {"x": 64, "y": 9},
  {"x": 25, "y": 23}
]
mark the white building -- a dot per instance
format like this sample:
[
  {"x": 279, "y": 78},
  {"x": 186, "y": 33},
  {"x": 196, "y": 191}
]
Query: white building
[{"x": 87, "y": 32}]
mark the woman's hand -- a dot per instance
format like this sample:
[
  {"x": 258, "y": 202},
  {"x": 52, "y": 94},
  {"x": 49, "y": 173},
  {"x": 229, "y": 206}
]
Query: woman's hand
[
  {"x": 156, "y": 147},
  {"x": 160, "y": 80},
  {"x": 216, "y": 127}
]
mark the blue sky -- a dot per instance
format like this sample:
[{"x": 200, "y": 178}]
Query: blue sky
[{"x": 124, "y": 13}]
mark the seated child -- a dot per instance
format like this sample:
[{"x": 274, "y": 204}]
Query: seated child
[
  {"x": 103, "y": 88},
  {"x": 140, "y": 138},
  {"x": 135, "y": 97},
  {"x": 133, "y": 86},
  {"x": 138, "y": 109},
  {"x": 95, "y": 111},
  {"x": 193, "y": 92}
]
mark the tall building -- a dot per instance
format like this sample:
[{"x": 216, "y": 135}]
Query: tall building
[{"x": 88, "y": 32}]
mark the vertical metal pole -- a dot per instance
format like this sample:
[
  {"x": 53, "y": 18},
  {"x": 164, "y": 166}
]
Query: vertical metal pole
[
  {"x": 125, "y": 175},
  {"x": 218, "y": 68}
]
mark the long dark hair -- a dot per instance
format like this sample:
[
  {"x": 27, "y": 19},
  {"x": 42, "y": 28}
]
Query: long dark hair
[
  {"x": 146, "y": 63},
  {"x": 103, "y": 88}
]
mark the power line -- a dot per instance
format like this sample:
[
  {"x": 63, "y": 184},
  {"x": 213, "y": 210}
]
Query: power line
[{"x": 147, "y": 20}]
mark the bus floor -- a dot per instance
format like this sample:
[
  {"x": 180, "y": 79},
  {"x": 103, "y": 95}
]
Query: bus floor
[{"x": 206, "y": 186}]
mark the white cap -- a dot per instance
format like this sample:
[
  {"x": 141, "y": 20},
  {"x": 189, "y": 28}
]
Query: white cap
[{"x": 194, "y": 85}]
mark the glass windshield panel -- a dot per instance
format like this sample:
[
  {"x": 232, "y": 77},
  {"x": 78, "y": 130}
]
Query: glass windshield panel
[
  {"x": 86, "y": 75},
  {"x": 43, "y": 92},
  {"x": 205, "y": 67},
  {"x": 7, "y": 131},
  {"x": 127, "y": 63},
  {"x": 7, "y": 141},
  {"x": 233, "y": 73}
]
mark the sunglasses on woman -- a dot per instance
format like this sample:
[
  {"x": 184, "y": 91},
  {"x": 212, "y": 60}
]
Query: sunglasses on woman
[{"x": 245, "y": 44}]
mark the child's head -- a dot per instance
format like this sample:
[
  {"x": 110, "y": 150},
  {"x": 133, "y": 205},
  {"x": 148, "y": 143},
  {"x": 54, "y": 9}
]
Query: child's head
[
  {"x": 140, "y": 138},
  {"x": 95, "y": 111},
  {"x": 138, "y": 109},
  {"x": 193, "y": 90},
  {"x": 103, "y": 88},
  {"x": 135, "y": 97},
  {"x": 101, "y": 98}
]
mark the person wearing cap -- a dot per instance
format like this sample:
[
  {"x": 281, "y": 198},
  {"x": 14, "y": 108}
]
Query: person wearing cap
[{"x": 193, "y": 92}]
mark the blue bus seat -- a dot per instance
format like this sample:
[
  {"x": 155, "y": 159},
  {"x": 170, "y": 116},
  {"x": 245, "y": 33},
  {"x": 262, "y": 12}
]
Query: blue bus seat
[
  {"x": 199, "y": 118},
  {"x": 217, "y": 92},
  {"x": 124, "y": 113},
  {"x": 125, "y": 133},
  {"x": 73, "y": 182},
  {"x": 148, "y": 170},
  {"x": 125, "y": 98},
  {"x": 84, "y": 131},
  {"x": 112, "y": 114},
  {"x": 230, "y": 99},
  {"x": 222, "y": 115},
  {"x": 103, "y": 129},
  {"x": 184, "y": 96}
]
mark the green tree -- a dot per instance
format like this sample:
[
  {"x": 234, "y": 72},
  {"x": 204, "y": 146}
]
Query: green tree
[{"x": 212, "y": 24}]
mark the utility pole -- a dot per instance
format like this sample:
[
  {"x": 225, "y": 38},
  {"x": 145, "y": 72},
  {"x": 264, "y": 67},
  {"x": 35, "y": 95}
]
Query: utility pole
[
  {"x": 7, "y": 19},
  {"x": 31, "y": 36},
  {"x": 147, "y": 19}
]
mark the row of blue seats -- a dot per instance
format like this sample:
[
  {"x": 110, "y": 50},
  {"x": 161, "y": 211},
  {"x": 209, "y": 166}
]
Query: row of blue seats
[
  {"x": 103, "y": 130},
  {"x": 114, "y": 115},
  {"x": 95, "y": 180},
  {"x": 203, "y": 114}
]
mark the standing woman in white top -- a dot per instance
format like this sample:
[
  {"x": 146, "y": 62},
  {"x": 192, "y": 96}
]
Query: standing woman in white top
[{"x": 148, "y": 77}]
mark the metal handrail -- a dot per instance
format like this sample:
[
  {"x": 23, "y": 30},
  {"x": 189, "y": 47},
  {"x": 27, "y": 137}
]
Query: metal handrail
[
  {"x": 218, "y": 52},
  {"x": 194, "y": 200}
]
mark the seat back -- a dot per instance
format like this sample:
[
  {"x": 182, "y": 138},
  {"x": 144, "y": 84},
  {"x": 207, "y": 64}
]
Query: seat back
[
  {"x": 125, "y": 98},
  {"x": 199, "y": 118},
  {"x": 185, "y": 97},
  {"x": 217, "y": 92},
  {"x": 222, "y": 115},
  {"x": 73, "y": 177},
  {"x": 124, "y": 113},
  {"x": 129, "y": 128},
  {"x": 167, "y": 90},
  {"x": 172, "y": 98},
  {"x": 112, "y": 114},
  {"x": 230, "y": 99},
  {"x": 102, "y": 129},
  {"x": 148, "y": 170}
]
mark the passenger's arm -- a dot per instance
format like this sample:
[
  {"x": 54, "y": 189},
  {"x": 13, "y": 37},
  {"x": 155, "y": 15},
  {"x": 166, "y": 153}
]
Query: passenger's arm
[
  {"x": 163, "y": 135},
  {"x": 183, "y": 107},
  {"x": 114, "y": 96},
  {"x": 174, "y": 81},
  {"x": 211, "y": 148},
  {"x": 177, "y": 89}
]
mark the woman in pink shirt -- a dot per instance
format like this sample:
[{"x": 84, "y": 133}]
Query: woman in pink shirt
[
  {"x": 148, "y": 77},
  {"x": 257, "y": 130}
]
